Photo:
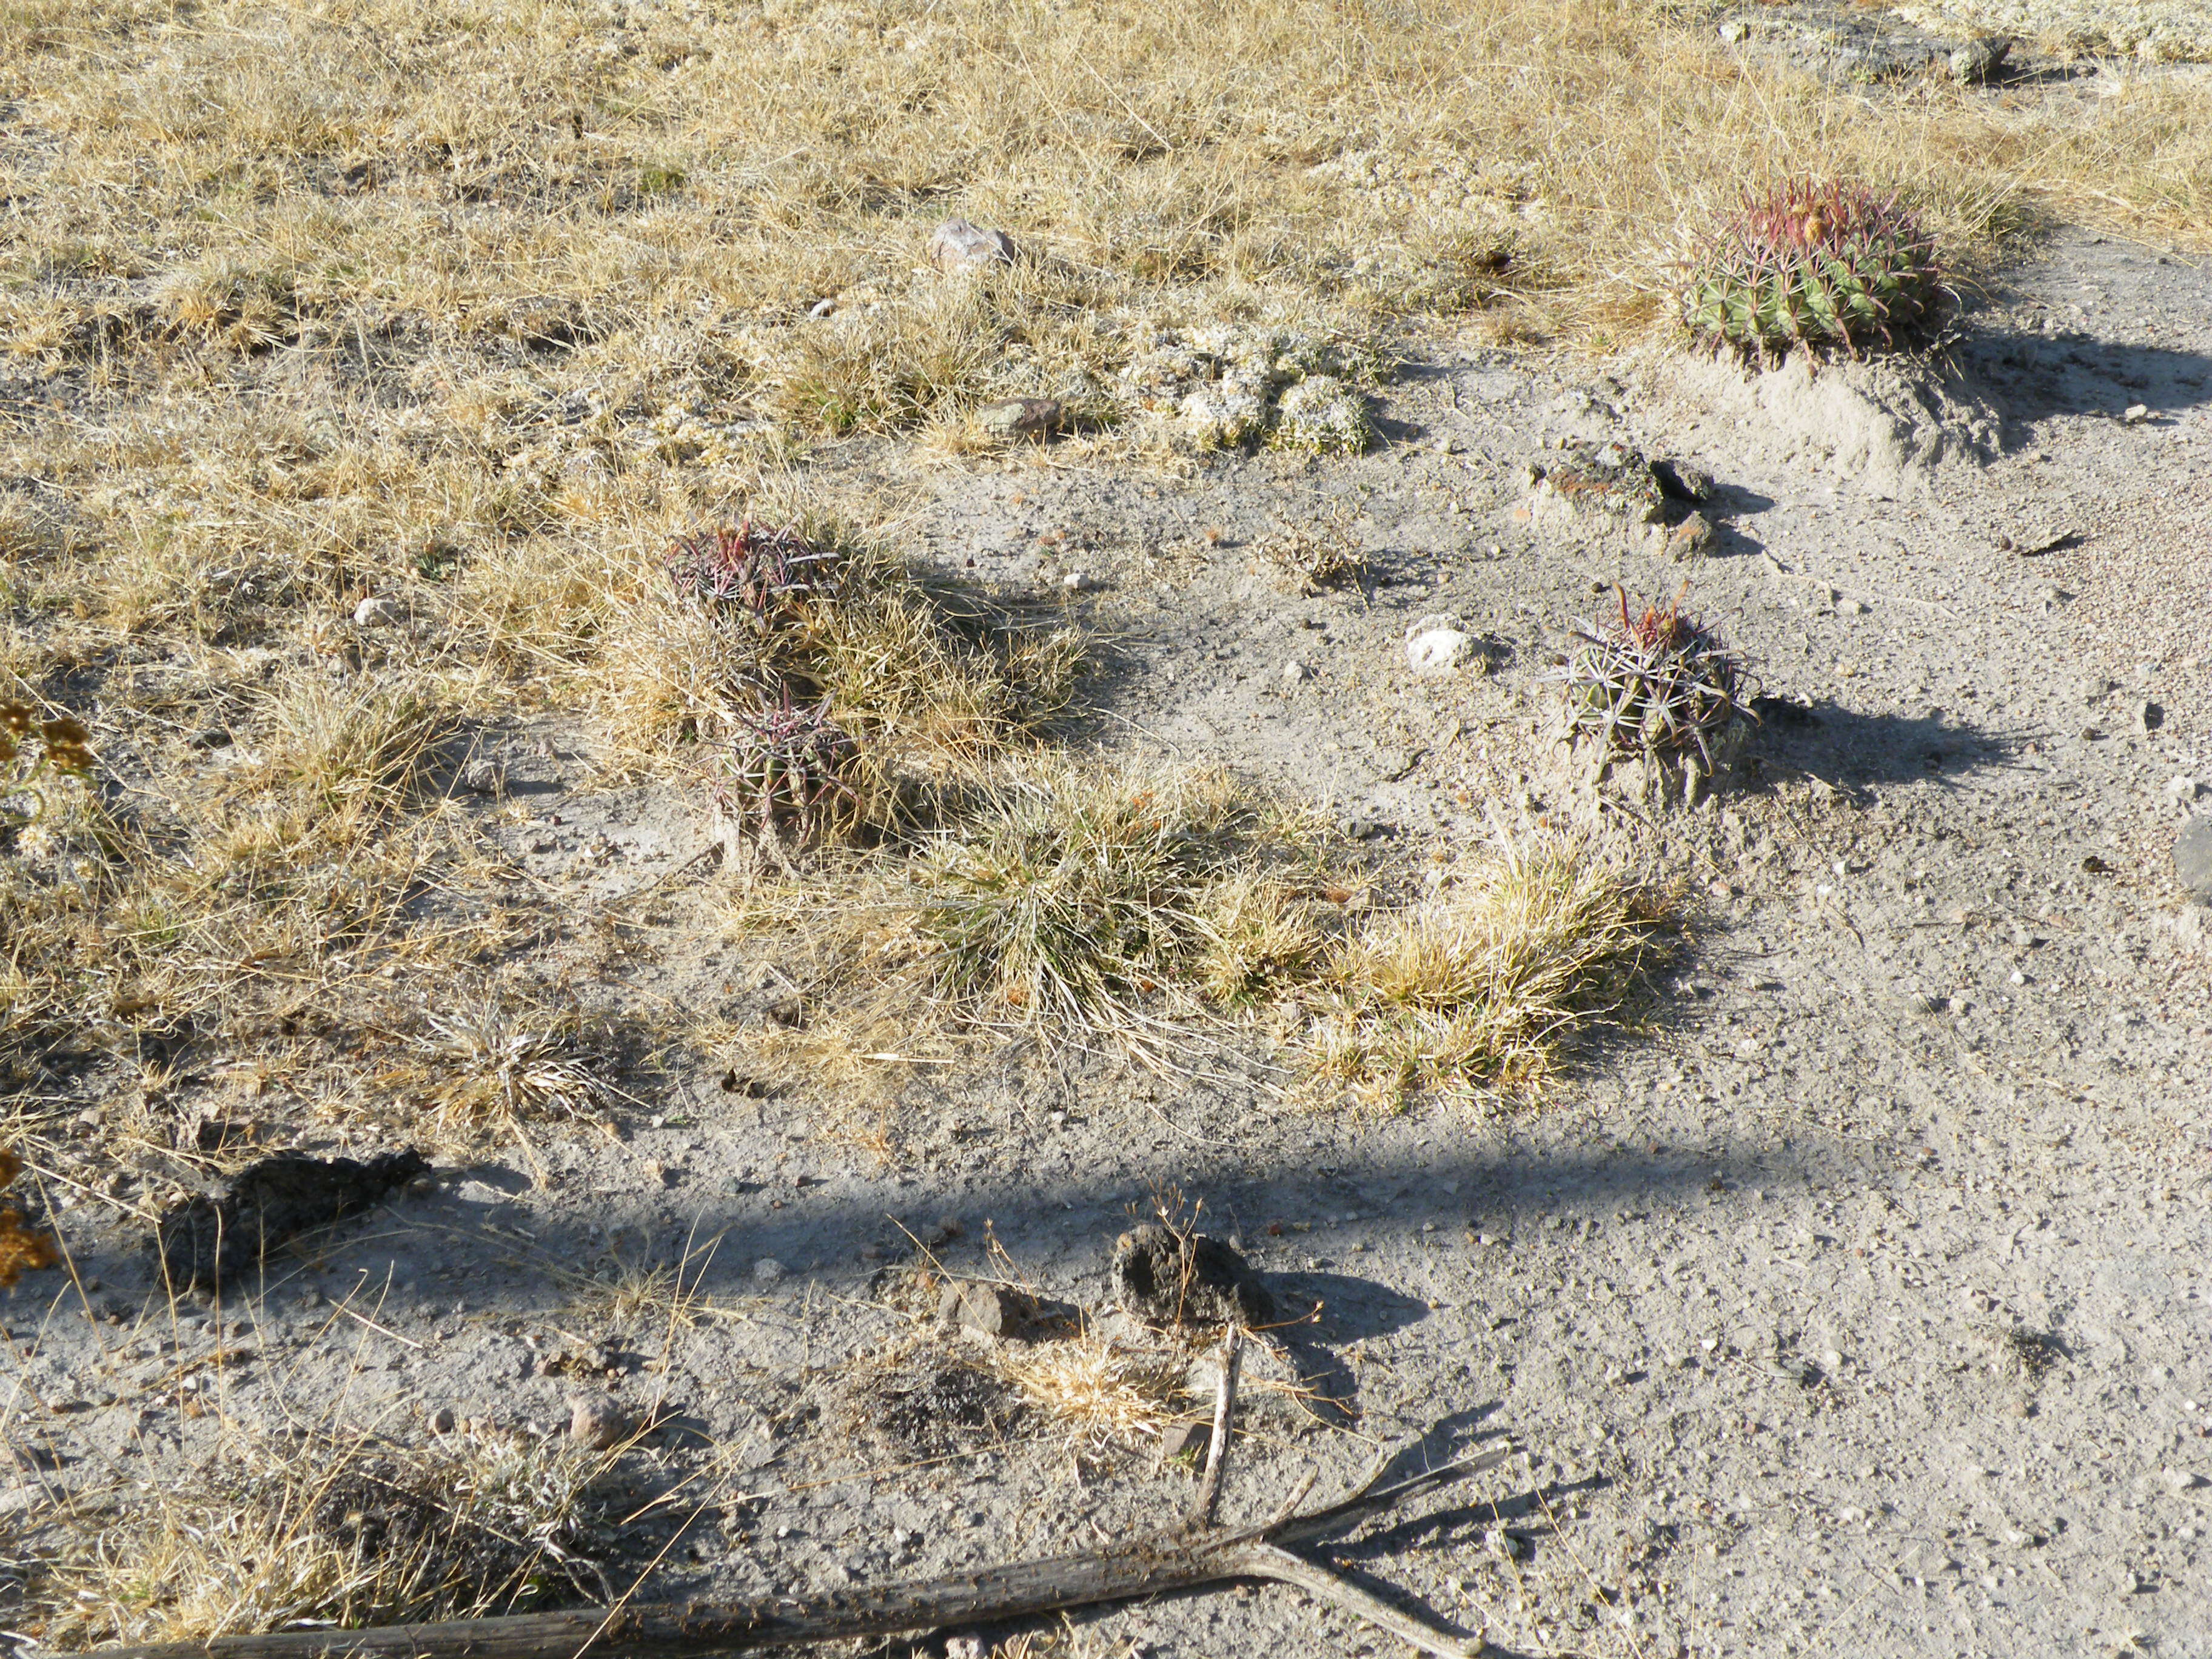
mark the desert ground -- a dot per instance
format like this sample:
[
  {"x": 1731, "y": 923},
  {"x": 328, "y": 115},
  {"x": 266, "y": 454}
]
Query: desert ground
[{"x": 1803, "y": 1180}]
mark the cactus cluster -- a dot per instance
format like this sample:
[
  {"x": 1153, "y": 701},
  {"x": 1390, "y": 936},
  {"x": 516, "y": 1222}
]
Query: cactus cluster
[
  {"x": 787, "y": 767},
  {"x": 786, "y": 760},
  {"x": 1816, "y": 264},
  {"x": 766, "y": 575},
  {"x": 1657, "y": 683}
]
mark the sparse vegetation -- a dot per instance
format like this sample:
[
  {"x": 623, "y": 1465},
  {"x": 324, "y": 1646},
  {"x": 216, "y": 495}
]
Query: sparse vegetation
[
  {"x": 348, "y": 1528},
  {"x": 1078, "y": 901}
]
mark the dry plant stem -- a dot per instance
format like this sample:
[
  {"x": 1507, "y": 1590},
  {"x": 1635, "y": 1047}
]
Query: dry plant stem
[
  {"x": 1193, "y": 1554},
  {"x": 1217, "y": 1447}
]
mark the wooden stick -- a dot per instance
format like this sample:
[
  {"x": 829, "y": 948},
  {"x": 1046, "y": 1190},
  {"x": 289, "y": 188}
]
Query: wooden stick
[
  {"x": 1216, "y": 1450},
  {"x": 1193, "y": 1554}
]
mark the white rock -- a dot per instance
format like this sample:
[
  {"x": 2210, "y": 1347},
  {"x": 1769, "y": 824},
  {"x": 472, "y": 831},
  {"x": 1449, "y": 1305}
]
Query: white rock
[
  {"x": 378, "y": 613},
  {"x": 2182, "y": 1480},
  {"x": 1295, "y": 673},
  {"x": 1078, "y": 582},
  {"x": 1437, "y": 645},
  {"x": 2182, "y": 791},
  {"x": 956, "y": 245},
  {"x": 2137, "y": 414}
]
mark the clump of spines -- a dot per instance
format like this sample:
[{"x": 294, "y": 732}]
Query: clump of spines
[
  {"x": 787, "y": 767},
  {"x": 763, "y": 574},
  {"x": 1814, "y": 264},
  {"x": 1657, "y": 683},
  {"x": 787, "y": 760}
]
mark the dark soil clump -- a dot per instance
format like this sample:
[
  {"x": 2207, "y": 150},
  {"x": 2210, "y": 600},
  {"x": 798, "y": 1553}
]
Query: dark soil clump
[{"x": 207, "y": 1242}]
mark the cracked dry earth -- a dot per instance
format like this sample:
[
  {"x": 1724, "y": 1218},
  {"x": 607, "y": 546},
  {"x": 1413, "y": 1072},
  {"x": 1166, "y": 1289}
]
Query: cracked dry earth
[{"x": 1857, "y": 1305}]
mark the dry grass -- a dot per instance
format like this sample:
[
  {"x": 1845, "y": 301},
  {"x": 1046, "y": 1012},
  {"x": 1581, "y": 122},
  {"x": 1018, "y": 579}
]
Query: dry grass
[
  {"x": 346, "y": 1528},
  {"x": 1100, "y": 1395},
  {"x": 1481, "y": 988}
]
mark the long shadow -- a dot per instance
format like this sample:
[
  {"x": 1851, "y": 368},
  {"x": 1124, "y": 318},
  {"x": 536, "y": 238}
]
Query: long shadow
[
  {"x": 1851, "y": 748},
  {"x": 2037, "y": 376}
]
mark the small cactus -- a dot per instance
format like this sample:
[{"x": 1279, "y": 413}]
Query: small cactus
[
  {"x": 1811, "y": 263},
  {"x": 1658, "y": 684},
  {"x": 786, "y": 765},
  {"x": 767, "y": 575}
]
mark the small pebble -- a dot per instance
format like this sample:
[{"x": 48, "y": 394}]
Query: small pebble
[
  {"x": 442, "y": 1420},
  {"x": 767, "y": 1271},
  {"x": 378, "y": 613}
]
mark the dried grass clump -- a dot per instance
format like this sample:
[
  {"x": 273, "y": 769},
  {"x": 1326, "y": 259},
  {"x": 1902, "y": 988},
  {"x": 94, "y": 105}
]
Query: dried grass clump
[
  {"x": 347, "y": 1529},
  {"x": 1076, "y": 899},
  {"x": 1481, "y": 987},
  {"x": 1101, "y": 1395},
  {"x": 488, "y": 1069},
  {"x": 32, "y": 749},
  {"x": 352, "y": 748}
]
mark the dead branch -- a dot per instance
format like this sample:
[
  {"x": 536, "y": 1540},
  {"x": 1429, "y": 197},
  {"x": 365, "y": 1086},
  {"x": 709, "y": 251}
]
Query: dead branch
[{"x": 1197, "y": 1553}]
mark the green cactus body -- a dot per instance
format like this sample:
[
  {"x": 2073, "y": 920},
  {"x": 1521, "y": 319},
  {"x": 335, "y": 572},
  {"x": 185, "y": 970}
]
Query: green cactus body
[{"x": 1814, "y": 265}]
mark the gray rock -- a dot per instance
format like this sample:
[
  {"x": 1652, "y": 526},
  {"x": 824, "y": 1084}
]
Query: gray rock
[
  {"x": 442, "y": 1420},
  {"x": 1020, "y": 418},
  {"x": 987, "y": 1310},
  {"x": 378, "y": 613},
  {"x": 483, "y": 777},
  {"x": 767, "y": 1271},
  {"x": 598, "y": 1422},
  {"x": 956, "y": 245},
  {"x": 1980, "y": 62},
  {"x": 1692, "y": 539},
  {"x": 2192, "y": 859}
]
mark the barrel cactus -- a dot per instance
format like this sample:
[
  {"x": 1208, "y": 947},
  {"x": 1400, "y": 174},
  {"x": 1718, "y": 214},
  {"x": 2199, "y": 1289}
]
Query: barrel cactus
[
  {"x": 1816, "y": 264},
  {"x": 1658, "y": 684}
]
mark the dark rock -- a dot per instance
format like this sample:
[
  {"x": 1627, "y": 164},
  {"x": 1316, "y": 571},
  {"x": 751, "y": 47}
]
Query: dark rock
[
  {"x": 1608, "y": 482},
  {"x": 1188, "y": 1278},
  {"x": 1980, "y": 62},
  {"x": 2192, "y": 859},
  {"x": 1685, "y": 481},
  {"x": 206, "y": 1243},
  {"x": 1692, "y": 539}
]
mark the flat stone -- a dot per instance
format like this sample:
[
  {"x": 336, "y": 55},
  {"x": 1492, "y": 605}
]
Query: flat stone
[
  {"x": 2192, "y": 859},
  {"x": 987, "y": 1310},
  {"x": 1020, "y": 418}
]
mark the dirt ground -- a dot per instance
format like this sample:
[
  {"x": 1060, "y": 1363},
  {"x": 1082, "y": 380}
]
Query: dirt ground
[{"x": 1855, "y": 1305}]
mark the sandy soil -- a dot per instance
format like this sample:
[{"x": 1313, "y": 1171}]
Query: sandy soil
[{"x": 1857, "y": 1307}]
